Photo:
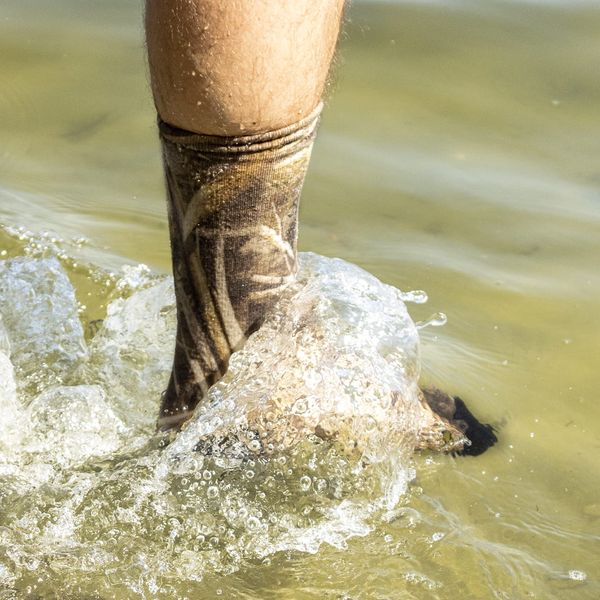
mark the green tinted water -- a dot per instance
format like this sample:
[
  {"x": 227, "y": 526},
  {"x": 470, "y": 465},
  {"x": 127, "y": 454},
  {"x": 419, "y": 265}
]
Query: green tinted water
[{"x": 458, "y": 154}]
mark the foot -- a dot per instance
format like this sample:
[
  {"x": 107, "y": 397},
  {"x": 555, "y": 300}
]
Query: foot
[{"x": 455, "y": 420}]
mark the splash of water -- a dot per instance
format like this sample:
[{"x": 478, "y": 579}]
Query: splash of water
[{"x": 304, "y": 442}]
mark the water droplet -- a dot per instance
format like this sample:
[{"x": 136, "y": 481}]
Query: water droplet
[{"x": 436, "y": 320}]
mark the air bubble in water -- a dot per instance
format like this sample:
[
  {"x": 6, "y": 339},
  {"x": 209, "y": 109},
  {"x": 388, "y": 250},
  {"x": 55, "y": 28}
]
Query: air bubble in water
[
  {"x": 305, "y": 483},
  {"x": 321, "y": 485},
  {"x": 370, "y": 424},
  {"x": 300, "y": 406},
  {"x": 254, "y": 445}
]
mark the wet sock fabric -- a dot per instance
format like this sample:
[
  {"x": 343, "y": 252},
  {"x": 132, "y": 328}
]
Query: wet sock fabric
[{"x": 233, "y": 220}]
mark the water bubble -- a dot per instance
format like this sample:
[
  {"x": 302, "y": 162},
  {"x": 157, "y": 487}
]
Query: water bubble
[
  {"x": 254, "y": 445},
  {"x": 300, "y": 406},
  {"x": 577, "y": 575},
  {"x": 206, "y": 475},
  {"x": 253, "y": 523},
  {"x": 321, "y": 485},
  {"x": 370, "y": 424},
  {"x": 249, "y": 473},
  {"x": 212, "y": 492},
  {"x": 305, "y": 483},
  {"x": 32, "y": 564}
]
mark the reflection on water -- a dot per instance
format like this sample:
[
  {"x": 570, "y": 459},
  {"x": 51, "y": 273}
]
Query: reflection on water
[{"x": 458, "y": 155}]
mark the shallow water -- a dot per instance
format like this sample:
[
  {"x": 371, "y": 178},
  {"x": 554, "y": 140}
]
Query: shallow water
[{"x": 458, "y": 154}]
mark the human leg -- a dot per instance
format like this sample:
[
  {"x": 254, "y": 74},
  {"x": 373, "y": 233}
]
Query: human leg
[
  {"x": 237, "y": 86},
  {"x": 239, "y": 67}
]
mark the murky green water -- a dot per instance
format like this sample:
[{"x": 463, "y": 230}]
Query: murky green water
[{"x": 458, "y": 154}]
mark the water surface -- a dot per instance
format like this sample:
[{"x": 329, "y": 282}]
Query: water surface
[{"x": 457, "y": 154}]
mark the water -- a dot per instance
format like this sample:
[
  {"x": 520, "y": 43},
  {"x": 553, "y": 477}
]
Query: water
[
  {"x": 298, "y": 446},
  {"x": 457, "y": 155}
]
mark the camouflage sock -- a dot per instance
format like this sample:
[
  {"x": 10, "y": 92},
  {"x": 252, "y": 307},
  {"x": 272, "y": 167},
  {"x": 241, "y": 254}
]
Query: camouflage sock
[{"x": 233, "y": 218}]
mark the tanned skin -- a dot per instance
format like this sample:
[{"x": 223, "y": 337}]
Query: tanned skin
[{"x": 239, "y": 67}]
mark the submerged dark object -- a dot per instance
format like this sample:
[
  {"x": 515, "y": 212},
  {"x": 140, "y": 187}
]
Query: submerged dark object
[
  {"x": 481, "y": 435},
  {"x": 452, "y": 409}
]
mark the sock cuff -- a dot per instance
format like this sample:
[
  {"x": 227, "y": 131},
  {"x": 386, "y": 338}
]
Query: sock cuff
[{"x": 282, "y": 142}]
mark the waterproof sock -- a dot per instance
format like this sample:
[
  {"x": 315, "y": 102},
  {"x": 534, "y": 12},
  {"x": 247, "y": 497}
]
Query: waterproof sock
[
  {"x": 453, "y": 427},
  {"x": 233, "y": 219}
]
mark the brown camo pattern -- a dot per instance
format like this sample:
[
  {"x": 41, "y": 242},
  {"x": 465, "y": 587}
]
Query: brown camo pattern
[{"x": 233, "y": 217}]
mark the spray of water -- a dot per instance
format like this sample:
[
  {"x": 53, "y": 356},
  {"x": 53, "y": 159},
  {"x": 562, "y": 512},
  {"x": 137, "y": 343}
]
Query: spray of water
[{"x": 306, "y": 441}]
